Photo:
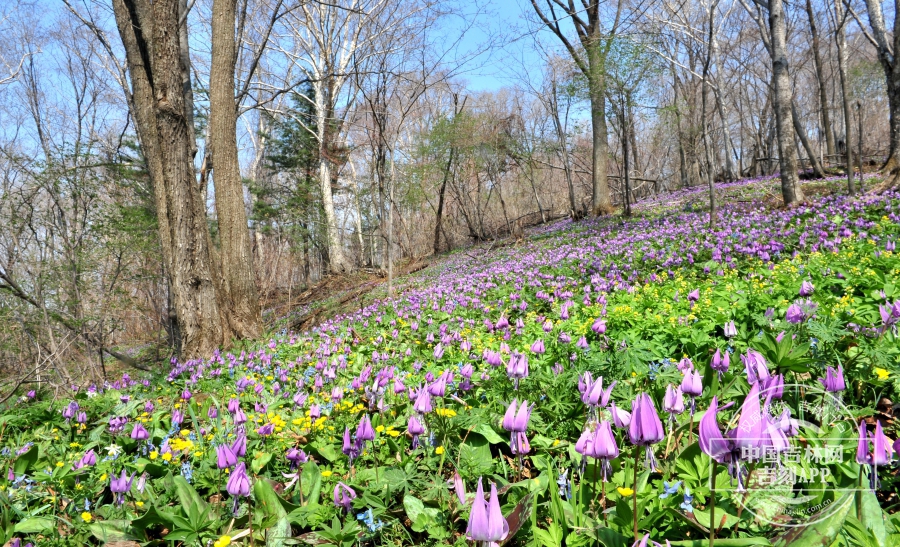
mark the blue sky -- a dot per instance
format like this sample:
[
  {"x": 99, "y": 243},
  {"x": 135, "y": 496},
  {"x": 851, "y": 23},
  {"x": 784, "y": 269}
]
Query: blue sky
[{"x": 503, "y": 21}]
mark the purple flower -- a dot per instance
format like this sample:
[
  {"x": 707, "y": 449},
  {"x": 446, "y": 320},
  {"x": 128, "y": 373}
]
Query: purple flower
[
  {"x": 296, "y": 457},
  {"x": 645, "y": 427},
  {"x": 486, "y": 521},
  {"x": 694, "y": 295},
  {"x": 755, "y": 366},
  {"x": 186, "y": 395},
  {"x": 621, "y": 417},
  {"x": 730, "y": 329},
  {"x": 139, "y": 433},
  {"x": 594, "y": 395},
  {"x": 720, "y": 363},
  {"x": 415, "y": 428},
  {"x": 266, "y": 430},
  {"x": 239, "y": 446},
  {"x": 834, "y": 380},
  {"x": 692, "y": 384},
  {"x": 604, "y": 448},
  {"x": 233, "y": 405},
  {"x": 599, "y": 326},
  {"x": 459, "y": 487},
  {"x": 212, "y": 413},
  {"x": 806, "y": 289},
  {"x": 795, "y": 314},
  {"x": 423, "y": 402},
  {"x": 88, "y": 460},
  {"x": 517, "y": 368},
  {"x": 238, "y": 482},
  {"x": 344, "y": 496},
  {"x": 673, "y": 402},
  {"x": 712, "y": 442},
  {"x": 438, "y": 351},
  {"x": 225, "y": 456},
  {"x": 69, "y": 412},
  {"x": 517, "y": 421},
  {"x": 119, "y": 486},
  {"x": 538, "y": 346},
  {"x": 364, "y": 431}
]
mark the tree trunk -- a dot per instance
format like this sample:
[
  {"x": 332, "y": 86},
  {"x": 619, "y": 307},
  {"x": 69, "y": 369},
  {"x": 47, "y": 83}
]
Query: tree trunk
[
  {"x": 704, "y": 92},
  {"x": 804, "y": 140},
  {"x": 625, "y": 138},
  {"x": 337, "y": 263},
  {"x": 241, "y": 299},
  {"x": 563, "y": 150},
  {"x": 781, "y": 88},
  {"x": 151, "y": 38},
  {"x": 841, "y": 40},
  {"x": 440, "y": 207},
  {"x": 889, "y": 57},
  {"x": 720, "y": 107},
  {"x": 820, "y": 77},
  {"x": 682, "y": 160},
  {"x": 600, "y": 199}
]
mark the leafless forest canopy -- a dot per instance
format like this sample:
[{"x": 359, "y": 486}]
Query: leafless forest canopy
[{"x": 174, "y": 172}]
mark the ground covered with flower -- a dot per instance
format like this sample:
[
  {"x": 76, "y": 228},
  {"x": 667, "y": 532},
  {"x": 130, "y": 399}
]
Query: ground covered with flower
[{"x": 605, "y": 382}]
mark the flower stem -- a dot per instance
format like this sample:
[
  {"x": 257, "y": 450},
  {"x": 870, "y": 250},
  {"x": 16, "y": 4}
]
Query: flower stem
[
  {"x": 712, "y": 505},
  {"x": 637, "y": 451}
]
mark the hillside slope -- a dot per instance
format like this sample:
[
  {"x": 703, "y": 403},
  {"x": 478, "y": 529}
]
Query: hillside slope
[{"x": 486, "y": 369}]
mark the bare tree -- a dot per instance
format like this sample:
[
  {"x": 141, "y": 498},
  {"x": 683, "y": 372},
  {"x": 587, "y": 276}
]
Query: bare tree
[
  {"x": 774, "y": 37},
  {"x": 590, "y": 58},
  {"x": 236, "y": 260},
  {"x": 150, "y": 33}
]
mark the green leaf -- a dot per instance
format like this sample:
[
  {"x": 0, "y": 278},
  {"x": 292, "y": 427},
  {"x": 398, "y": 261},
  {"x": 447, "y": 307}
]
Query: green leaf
[
  {"x": 731, "y": 542},
  {"x": 26, "y": 461},
  {"x": 325, "y": 450},
  {"x": 610, "y": 538},
  {"x": 268, "y": 505},
  {"x": 551, "y": 537},
  {"x": 187, "y": 495},
  {"x": 413, "y": 506},
  {"x": 260, "y": 460},
  {"x": 488, "y": 432},
  {"x": 873, "y": 517},
  {"x": 35, "y": 525},
  {"x": 312, "y": 482},
  {"x": 819, "y": 532},
  {"x": 109, "y": 531}
]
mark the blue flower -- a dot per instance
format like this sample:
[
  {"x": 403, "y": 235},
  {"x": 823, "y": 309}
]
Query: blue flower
[
  {"x": 669, "y": 489},
  {"x": 565, "y": 485},
  {"x": 688, "y": 500}
]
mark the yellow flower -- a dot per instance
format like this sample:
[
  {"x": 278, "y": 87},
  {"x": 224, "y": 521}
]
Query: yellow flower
[
  {"x": 326, "y": 474},
  {"x": 103, "y": 477},
  {"x": 59, "y": 464},
  {"x": 439, "y": 450},
  {"x": 625, "y": 492},
  {"x": 882, "y": 373},
  {"x": 139, "y": 503},
  {"x": 393, "y": 433},
  {"x": 223, "y": 541},
  {"x": 167, "y": 456},
  {"x": 86, "y": 517},
  {"x": 154, "y": 455},
  {"x": 445, "y": 412},
  {"x": 380, "y": 429}
]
